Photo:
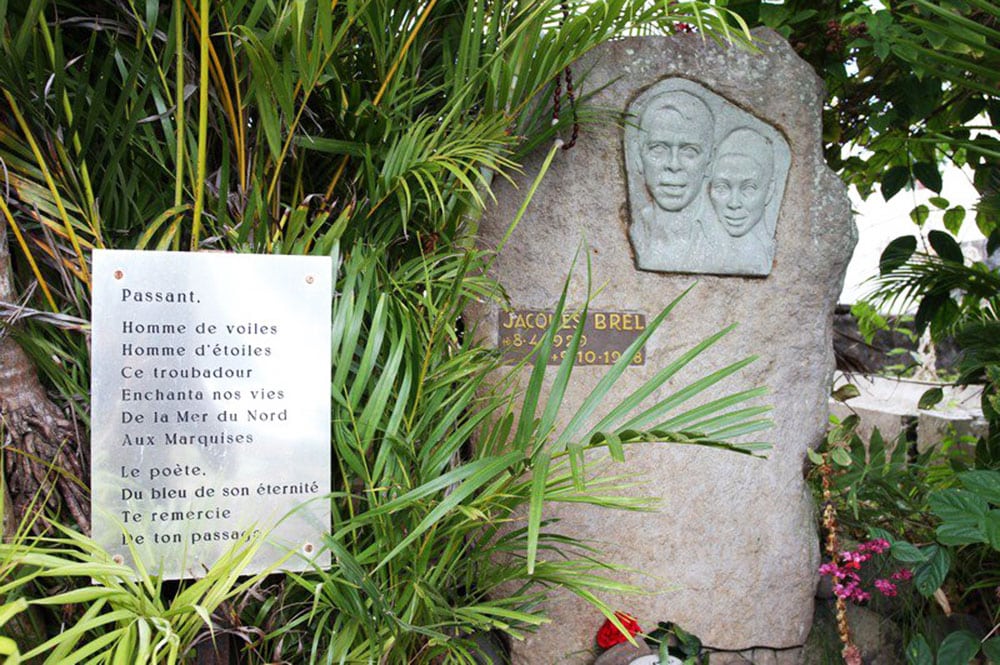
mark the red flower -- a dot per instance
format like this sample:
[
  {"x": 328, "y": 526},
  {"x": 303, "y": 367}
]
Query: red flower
[{"x": 609, "y": 634}]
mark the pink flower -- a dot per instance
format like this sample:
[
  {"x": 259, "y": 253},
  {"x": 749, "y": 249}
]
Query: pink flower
[
  {"x": 854, "y": 559},
  {"x": 846, "y": 590},
  {"x": 886, "y": 587},
  {"x": 831, "y": 569},
  {"x": 844, "y": 571},
  {"x": 877, "y": 546},
  {"x": 851, "y": 591}
]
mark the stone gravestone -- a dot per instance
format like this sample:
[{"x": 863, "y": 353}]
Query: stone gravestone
[{"x": 716, "y": 176}]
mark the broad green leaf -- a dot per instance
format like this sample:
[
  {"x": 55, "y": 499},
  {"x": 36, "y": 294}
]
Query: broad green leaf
[
  {"x": 841, "y": 457},
  {"x": 920, "y": 214},
  {"x": 958, "y": 648},
  {"x": 930, "y": 398},
  {"x": 846, "y": 392},
  {"x": 125, "y": 651},
  {"x": 597, "y": 395},
  {"x": 686, "y": 393},
  {"x": 850, "y": 423},
  {"x": 897, "y": 253},
  {"x": 930, "y": 306},
  {"x": 927, "y": 173},
  {"x": 814, "y": 456},
  {"x": 945, "y": 246},
  {"x": 960, "y": 533},
  {"x": 983, "y": 483},
  {"x": 953, "y": 218},
  {"x": 992, "y": 529},
  {"x": 938, "y": 202},
  {"x": 991, "y": 649},
  {"x": 918, "y": 652},
  {"x": 907, "y": 553},
  {"x": 894, "y": 180},
  {"x": 957, "y": 505},
  {"x": 993, "y": 242},
  {"x": 877, "y": 452},
  {"x": 929, "y": 576}
]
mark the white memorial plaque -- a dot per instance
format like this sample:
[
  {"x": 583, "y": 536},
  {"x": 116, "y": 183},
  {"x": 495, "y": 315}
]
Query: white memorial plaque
[{"x": 211, "y": 407}]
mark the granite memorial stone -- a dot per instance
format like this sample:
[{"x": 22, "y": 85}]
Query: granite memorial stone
[{"x": 716, "y": 169}]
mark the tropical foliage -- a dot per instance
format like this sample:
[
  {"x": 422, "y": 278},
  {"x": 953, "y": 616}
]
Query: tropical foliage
[
  {"x": 912, "y": 87},
  {"x": 366, "y": 130},
  {"x": 934, "y": 512}
]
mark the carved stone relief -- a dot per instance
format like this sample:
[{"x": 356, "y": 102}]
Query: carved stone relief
[{"x": 705, "y": 182}]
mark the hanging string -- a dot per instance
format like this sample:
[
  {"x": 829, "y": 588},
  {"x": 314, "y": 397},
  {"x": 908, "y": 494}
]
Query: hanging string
[{"x": 570, "y": 93}]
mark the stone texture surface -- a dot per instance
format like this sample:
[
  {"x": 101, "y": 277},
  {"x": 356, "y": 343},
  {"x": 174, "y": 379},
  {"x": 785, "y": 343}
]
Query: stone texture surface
[
  {"x": 623, "y": 654},
  {"x": 760, "y": 656},
  {"x": 728, "y": 658},
  {"x": 731, "y": 553}
]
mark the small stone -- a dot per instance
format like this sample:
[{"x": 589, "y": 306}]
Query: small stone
[
  {"x": 879, "y": 639},
  {"x": 623, "y": 654},
  {"x": 653, "y": 659}
]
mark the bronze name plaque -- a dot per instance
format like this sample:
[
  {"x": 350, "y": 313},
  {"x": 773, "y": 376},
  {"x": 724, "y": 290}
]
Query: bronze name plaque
[{"x": 605, "y": 337}]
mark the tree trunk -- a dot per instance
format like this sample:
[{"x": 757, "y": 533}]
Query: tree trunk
[{"x": 44, "y": 459}]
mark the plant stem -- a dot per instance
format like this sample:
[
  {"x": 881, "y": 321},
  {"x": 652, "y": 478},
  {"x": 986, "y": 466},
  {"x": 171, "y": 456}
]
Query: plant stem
[{"x": 200, "y": 174}]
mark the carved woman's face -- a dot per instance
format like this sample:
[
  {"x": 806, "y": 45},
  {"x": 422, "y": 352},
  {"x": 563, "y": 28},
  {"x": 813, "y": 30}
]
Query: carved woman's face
[{"x": 739, "y": 190}]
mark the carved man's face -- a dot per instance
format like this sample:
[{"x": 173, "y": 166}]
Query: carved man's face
[
  {"x": 675, "y": 152},
  {"x": 739, "y": 189}
]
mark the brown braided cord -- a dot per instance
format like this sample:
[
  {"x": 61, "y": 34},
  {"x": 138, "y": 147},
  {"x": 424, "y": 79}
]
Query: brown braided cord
[{"x": 570, "y": 92}]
